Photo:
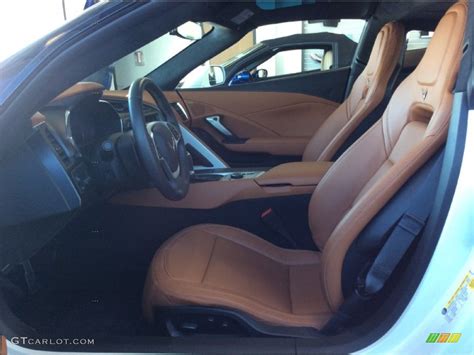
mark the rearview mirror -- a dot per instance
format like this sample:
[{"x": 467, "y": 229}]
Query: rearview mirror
[{"x": 189, "y": 30}]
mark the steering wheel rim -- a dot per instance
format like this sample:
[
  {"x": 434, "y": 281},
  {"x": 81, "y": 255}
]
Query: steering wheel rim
[{"x": 160, "y": 145}]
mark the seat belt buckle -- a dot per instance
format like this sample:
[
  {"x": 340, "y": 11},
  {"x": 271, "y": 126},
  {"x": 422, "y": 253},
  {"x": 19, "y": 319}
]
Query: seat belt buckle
[
  {"x": 360, "y": 285},
  {"x": 273, "y": 221},
  {"x": 266, "y": 213}
]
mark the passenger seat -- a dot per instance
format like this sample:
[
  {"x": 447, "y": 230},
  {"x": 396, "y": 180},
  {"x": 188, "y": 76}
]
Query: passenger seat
[{"x": 366, "y": 94}]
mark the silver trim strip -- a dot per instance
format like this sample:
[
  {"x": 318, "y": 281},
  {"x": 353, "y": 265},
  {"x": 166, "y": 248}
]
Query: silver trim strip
[{"x": 191, "y": 139}]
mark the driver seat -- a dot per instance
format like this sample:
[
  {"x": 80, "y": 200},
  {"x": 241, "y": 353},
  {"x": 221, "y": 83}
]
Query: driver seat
[{"x": 226, "y": 267}]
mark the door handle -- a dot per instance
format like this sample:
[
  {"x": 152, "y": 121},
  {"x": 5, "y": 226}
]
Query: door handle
[{"x": 215, "y": 122}]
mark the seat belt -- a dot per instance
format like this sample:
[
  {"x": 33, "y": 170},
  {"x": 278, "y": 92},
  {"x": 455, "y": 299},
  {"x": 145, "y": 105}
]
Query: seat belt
[{"x": 374, "y": 277}]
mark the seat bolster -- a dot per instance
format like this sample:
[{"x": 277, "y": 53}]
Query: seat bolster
[{"x": 222, "y": 266}]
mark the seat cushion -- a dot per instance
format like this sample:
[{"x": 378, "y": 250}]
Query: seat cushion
[{"x": 223, "y": 266}]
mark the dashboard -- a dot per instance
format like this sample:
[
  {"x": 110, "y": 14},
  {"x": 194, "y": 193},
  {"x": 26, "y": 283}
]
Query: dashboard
[
  {"x": 64, "y": 163},
  {"x": 79, "y": 152}
]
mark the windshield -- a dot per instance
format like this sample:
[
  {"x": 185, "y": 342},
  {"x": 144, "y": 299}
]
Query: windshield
[{"x": 120, "y": 74}]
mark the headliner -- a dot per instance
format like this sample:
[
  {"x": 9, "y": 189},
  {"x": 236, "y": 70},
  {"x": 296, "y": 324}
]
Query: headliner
[{"x": 419, "y": 14}]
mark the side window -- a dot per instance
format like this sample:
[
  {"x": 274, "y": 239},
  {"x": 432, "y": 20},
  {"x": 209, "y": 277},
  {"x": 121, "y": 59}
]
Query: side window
[
  {"x": 297, "y": 61},
  {"x": 418, "y": 39},
  {"x": 417, "y": 42},
  {"x": 280, "y": 49}
]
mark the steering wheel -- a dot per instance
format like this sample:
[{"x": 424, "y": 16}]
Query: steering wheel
[{"x": 160, "y": 145}]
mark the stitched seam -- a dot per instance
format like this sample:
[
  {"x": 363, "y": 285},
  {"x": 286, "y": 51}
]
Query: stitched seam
[
  {"x": 281, "y": 260},
  {"x": 209, "y": 261},
  {"x": 183, "y": 233},
  {"x": 332, "y": 105},
  {"x": 289, "y": 290}
]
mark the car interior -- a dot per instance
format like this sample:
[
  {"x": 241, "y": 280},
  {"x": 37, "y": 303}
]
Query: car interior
[{"x": 251, "y": 210}]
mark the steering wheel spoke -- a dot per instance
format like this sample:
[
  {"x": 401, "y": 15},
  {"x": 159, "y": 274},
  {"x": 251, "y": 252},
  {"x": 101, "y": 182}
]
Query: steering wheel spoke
[{"x": 159, "y": 144}]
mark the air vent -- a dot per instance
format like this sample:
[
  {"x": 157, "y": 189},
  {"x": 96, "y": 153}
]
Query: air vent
[{"x": 57, "y": 147}]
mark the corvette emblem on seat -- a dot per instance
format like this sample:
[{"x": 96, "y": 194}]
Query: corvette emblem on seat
[{"x": 424, "y": 93}]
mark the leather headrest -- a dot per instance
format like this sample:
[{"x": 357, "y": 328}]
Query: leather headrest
[{"x": 389, "y": 38}]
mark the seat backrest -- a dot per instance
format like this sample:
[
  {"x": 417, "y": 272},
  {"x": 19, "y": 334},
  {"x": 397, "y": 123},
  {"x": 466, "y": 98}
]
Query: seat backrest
[
  {"x": 412, "y": 128},
  {"x": 367, "y": 92}
]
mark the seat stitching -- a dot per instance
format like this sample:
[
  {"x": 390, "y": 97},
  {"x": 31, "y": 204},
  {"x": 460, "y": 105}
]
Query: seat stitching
[
  {"x": 217, "y": 234},
  {"x": 277, "y": 258},
  {"x": 289, "y": 290},
  {"x": 185, "y": 232},
  {"x": 168, "y": 247},
  {"x": 209, "y": 261}
]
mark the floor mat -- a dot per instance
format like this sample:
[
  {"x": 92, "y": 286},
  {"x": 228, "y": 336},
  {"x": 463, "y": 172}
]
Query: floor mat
[{"x": 86, "y": 309}]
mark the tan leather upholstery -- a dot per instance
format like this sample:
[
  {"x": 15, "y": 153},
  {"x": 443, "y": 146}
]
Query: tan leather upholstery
[
  {"x": 295, "y": 174},
  {"x": 367, "y": 92},
  {"x": 81, "y": 88},
  {"x": 370, "y": 172},
  {"x": 260, "y": 117},
  {"x": 222, "y": 266},
  {"x": 226, "y": 266}
]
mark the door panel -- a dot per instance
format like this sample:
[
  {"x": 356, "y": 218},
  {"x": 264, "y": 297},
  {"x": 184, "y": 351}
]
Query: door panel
[
  {"x": 269, "y": 122},
  {"x": 268, "y": 118}
]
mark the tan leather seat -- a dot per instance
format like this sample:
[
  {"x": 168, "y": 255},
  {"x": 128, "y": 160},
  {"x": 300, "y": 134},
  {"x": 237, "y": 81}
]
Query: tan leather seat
[
  {"x": 367, "y": 92},
  {"x": 227, "y": 267}
]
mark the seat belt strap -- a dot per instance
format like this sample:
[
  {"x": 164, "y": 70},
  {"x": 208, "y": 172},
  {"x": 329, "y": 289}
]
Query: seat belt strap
[{"x": 407, "y": 229}]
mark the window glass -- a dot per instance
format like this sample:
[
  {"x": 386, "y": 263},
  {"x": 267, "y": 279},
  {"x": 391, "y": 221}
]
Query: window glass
[
  {"x": 296, "y": 61},
  {"x": 283, "y": 62},
  {"x": 144, "y": 60},
  {"x": 418, "y": 39}
]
